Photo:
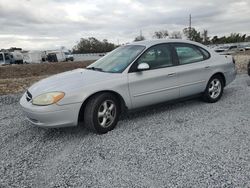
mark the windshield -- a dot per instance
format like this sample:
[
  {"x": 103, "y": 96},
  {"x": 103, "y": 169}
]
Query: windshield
[
  {"x": 118, "y": 60},
  {"x": 7, "y": 57}
]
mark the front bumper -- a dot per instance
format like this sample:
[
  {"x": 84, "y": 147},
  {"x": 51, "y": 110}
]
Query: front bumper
[{"x": 52, "y": 116}]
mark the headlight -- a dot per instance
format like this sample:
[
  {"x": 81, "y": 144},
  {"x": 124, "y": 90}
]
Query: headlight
[{"x": 48, "y": 98}]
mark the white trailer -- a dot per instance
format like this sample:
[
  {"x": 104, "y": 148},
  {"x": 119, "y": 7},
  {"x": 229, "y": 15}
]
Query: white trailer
[
  {"x": 16, "y": 57},
  {"x": 34, "y": 57},
  {"x": 56, "y": 56}
]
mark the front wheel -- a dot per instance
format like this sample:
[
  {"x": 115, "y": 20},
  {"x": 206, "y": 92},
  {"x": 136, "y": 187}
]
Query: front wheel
[
  {"x": 101, "y": 113},
  {"x": 214, "y": 89}
]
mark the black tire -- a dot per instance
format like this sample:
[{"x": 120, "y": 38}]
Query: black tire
[
  {"x": 92, "y": 110},
  {"x": 207, "y": 95}
]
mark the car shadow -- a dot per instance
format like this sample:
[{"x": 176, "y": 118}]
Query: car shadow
[{"x": 162, "y": 107}]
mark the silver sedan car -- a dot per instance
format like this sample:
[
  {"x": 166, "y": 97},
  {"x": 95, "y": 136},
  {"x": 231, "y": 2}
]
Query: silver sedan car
[{"x": 132, "y": 76}]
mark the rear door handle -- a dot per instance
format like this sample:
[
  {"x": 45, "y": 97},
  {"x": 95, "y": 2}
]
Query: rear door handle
[
  {"x": 171, "y": 74},
  {"x": 207, "y": 67}
]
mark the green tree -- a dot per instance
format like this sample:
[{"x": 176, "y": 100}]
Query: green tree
[
  {"x": 192, "y": 34},
  {"x": 93, "y": 45},
  {"x": 232, "y": 38},
  {"x": 247, "y": 39}
]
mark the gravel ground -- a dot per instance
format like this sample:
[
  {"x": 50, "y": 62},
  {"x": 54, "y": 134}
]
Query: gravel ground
[{"x": 186, "y": 144}]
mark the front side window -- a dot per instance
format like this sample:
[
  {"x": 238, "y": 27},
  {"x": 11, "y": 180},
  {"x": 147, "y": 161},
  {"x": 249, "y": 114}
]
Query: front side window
[
  {"x": 117, "y": 60},
  {"x": 157, "y": 57},
  {"x": 188, "y": 54}
]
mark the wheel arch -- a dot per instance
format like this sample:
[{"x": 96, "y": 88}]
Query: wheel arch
[
  {"x": 221, "y": 75},
  {"x": 122, "y": 103}
]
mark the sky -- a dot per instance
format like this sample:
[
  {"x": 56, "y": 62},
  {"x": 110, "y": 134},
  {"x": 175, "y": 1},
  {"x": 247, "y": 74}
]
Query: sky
[{"x": 50, "y": 24}]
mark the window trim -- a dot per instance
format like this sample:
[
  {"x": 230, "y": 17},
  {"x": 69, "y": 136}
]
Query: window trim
[
  {"x": 194, "y": 46},
  {"x": 133, "y": 67}
]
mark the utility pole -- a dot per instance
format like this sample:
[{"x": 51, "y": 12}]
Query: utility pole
[
  {"x": 140, "y": 34},
  {"x": 190, "y": 25}
]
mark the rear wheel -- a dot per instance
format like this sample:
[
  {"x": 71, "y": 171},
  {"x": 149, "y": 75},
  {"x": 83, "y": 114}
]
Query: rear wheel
[
  {"x": 214, "y": 89},
  {"x": 101, "y": 113}
]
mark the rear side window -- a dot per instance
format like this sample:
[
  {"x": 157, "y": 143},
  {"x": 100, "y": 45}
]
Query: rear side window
[
  {"x": 1, "y": 57},
  {"x": 205, "y": 53},
  {"x": 190, "y": 54}
]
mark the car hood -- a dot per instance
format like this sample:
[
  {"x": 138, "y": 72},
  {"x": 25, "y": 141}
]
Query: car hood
[{"x": 70, "y": 81}]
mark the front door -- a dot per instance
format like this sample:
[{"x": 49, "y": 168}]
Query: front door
[{"x": 157, "y": 84}]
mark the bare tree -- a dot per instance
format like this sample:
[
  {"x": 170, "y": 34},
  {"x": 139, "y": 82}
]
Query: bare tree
[
  {"x": 161, "y": 34},
  {"x": 205, "y": 37},
  {"x": 176, "y": 35},
  {"x": 139, "y": 38}
]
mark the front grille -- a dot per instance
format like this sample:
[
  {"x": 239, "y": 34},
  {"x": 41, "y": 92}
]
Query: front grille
[{"x": 28, "y": 96}]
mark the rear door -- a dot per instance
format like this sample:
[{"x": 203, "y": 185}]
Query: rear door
[
  {"x": 194, "y": 68},
  {"x": 159, "y": 83}
]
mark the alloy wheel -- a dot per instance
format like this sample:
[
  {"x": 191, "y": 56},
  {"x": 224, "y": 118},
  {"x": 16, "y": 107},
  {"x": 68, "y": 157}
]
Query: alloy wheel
[
  {"x": 106, "y": 113},
  {"x": 215, "y": 88}
]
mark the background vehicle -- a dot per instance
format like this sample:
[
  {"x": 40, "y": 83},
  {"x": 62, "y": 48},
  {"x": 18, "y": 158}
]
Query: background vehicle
[
  {"x": 16, "y": 57},
  {"x": 246, "y": 47},
  {"x": 56, "y": 56},
  {"x": 132, "y": 76},
  {"x": 227, "y": 50},
  {"x": 34, "y": 56},
  {"x": 4, "y": 58},
  {"x": 69, "y": 56}
]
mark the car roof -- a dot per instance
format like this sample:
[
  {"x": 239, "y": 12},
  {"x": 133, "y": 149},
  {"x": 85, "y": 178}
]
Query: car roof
[{"x": 149, "y": 43}]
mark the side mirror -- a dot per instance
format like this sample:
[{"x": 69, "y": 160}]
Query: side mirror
[{"x": 143, "y": 66}]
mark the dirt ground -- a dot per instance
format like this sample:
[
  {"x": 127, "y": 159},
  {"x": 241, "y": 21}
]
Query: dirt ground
[
  {"x": 41, "y": 69},
  {"x": 17, "y": 78},
  {"x": 242, "y": 61}
]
